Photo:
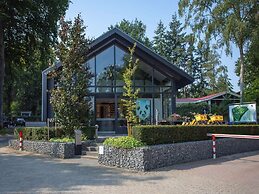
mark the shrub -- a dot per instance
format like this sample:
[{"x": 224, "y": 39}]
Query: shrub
[
  {"x": 38, "y": 133},
  {"x": 88, "y": 132},
  {"x": 41, "y": 133},
  {"x": 123, "y": 142},
  {"x": 4, "y": 131},
  {"x": 163, "y": 134},
  {"x": 62, "y": 140}
]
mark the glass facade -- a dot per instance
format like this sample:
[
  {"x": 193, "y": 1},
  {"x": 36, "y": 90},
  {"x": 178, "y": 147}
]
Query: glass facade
[{"x": 155, "y": 97}]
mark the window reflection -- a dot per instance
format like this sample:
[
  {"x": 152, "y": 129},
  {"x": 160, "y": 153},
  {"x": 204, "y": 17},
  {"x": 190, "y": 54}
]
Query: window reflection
[
  {"x": 121, "y": 61},
  {"x": 91, "y": 64},
  {"x": 105, "y": 70},
  {"x": 108, "y": 67}
]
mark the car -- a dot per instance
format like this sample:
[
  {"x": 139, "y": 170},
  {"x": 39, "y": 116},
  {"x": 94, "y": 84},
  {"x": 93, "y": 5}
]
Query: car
[{"x": 20, "y": 122}]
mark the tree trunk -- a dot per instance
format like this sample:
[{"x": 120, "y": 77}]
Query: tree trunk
[
  {"x": 129, "y": 126},
  {"x": 241, "y": 74},
  {"x": 2, "y": 69}
]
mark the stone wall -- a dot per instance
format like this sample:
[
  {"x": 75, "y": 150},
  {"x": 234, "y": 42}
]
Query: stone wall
[
  {"x": 152, "y": 157},
  {"x": 58, "y": 150}
]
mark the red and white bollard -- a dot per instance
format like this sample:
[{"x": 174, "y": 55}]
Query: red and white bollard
[
  {"x": 21, "y": 141},
  {"x": 214, "y": 146}
]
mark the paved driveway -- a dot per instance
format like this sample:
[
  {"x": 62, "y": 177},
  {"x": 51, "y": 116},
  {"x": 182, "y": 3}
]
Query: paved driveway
[{"x": 30, "y": 173}]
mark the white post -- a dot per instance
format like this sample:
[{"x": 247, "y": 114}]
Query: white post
[
  {"x": 156, "y": 116},
  {"x": 96, "y": 131}
]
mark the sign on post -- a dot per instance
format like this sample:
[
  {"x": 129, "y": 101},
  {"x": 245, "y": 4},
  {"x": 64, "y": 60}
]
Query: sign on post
[
  {"x": 101, "y": 150},
  {"x": 245, "y": 113}
]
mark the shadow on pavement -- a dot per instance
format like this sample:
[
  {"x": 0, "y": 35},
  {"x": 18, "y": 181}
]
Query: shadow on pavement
[
  {"x": 29, "y": 173},
  {"x": 218, "y": 161},
  {"x": 4, "y": 140}
]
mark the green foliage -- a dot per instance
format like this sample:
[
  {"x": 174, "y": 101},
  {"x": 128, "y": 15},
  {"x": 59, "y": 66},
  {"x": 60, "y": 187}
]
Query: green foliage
[
  {"x": 130, "y": 96},
  {"x": 69, "y": 99},
  {"x": 29, "y": 31},
  {"x": 252, "y": 70},
  {"x": 176, "y": 40},
  {"x": 38, "y": 133},
  {"x": 189, "y": 109},
  {"x": 160, "y": 40},
  {"x": 4, "y": 131},
  {"x": 41, "y": 133},
  {"x": 123, "y": 142},
  {"x": 226, "y": 21},
  {"x": 196, "y": 57},
  {"x": 62, "y": 140},
  {"x": 136, "y": 29},
  {"x": 164, "y": 134},
  {"x": 88, "y": 132}
]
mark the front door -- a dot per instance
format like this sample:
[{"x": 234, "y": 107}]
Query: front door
[{"x": 105, "y": 114}]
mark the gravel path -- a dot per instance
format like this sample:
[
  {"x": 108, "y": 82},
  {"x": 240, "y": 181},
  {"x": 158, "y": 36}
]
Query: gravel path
[{"x": 23, "y": 172}]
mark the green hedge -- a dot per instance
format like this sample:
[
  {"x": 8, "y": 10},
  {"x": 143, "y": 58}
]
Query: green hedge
[
  {"x": 41, "y": 133},
  {"x": 123, "y": 142},
  {"x": 163, "y": 134},
  {"x": 38, "y": 133}
]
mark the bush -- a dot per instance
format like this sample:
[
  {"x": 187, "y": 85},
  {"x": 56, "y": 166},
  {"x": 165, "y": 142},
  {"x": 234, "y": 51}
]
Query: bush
[
  {"x": 38, "y": 133},
  {"x": 62, "y": 140},
  {"x": 4, "y": 131},
  {"x": 123, "y": 142},
  {"x": 88, "y": 132},
  {"x": 163, "y": 134},
  {"x": 41, "y": 133}
]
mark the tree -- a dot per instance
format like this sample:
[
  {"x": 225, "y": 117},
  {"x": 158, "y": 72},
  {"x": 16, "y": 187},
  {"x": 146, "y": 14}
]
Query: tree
[
  {"x": 159, "y": 40},
  {"x": 130, "y": 95},
  {"x": 176, "y": 41},
  {"x": 136, "y": 29},
  {"x": 69, "y": 98},
  {"x": 252, "y": 71},
  {"x": 227, "y": 21},
  {"x": 26, "y": 26}
]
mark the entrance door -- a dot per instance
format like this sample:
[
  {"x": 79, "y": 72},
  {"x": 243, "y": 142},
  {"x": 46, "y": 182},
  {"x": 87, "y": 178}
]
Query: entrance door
[{"x": 105, "y": 114}]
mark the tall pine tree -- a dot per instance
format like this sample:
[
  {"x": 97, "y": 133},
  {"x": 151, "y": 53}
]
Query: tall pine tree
[{"x": 160, "y": 41}]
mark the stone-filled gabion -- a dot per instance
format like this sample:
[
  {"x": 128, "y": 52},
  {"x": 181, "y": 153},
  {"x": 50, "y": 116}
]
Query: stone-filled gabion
[
  {"x": 152, "y": 157},
  {"x": 58, "y": 150}
]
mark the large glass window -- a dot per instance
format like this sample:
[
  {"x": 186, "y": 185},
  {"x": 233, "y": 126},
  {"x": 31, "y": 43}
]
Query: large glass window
[
  {"x": 143, "y": 77},
  {"x": 91, "y": 64},
  {"x": 105, "y": 70},
  {"x": 167, "y": 103},
  {"x": 121, "y": 62}
]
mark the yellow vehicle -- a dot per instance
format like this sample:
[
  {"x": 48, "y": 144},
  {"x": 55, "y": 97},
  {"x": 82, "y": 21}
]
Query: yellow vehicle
[
  {"x": 202, "y": 119},
  {"x": 199, "y": 119},
  {"x": 216, "y": 120}
]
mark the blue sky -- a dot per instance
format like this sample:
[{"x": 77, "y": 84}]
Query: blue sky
[{"x": 98, "y": 15}]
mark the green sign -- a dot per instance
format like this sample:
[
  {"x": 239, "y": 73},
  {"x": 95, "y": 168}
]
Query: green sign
[{"x": 245, "y": 113}]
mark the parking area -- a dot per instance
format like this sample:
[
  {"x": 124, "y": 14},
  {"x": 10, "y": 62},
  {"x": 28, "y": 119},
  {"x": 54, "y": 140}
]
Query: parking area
[{"x": 23, "y": 172}]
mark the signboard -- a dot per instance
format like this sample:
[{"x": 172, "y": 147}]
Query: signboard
[
  {"x": 143, "y": 110},
  {"x": 245, "y": 113},
  {"x": 101, "y": 150}
]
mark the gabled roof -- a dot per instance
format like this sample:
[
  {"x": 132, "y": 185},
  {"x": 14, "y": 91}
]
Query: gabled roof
[
  {"x": 207, "y": 98},
  {"x": 116, "y": 36},
  {"x": 51, "y": 68},
  {"x": 124, "y": 41}
]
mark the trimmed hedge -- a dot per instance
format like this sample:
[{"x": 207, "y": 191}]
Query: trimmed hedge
[
  {"x": 164, "y": 134},
  {"x": 41, "y": 133},
  {"x": 123, "y": 142},
  {"x": 38, "y": 133}
]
